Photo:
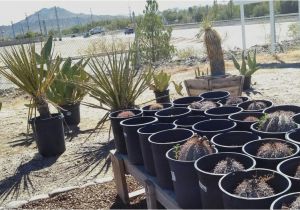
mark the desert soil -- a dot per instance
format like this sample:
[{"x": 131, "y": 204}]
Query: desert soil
[{"x": 24, "y": 173}]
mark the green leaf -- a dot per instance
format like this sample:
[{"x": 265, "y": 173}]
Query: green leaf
[{"x": 47, "y": 48}]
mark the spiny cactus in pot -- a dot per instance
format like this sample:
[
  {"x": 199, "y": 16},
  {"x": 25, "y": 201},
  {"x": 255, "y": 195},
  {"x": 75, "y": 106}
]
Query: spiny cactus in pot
[
  {"x": 274, "y": 150},
  {"x": 156, "y": 106},
  {"x": 233, "y": 100},
  {"x": 279, "y": 121},
  {"x": 203, "y": 106},
  {"x": 193, "y": 149},
  {"x": 228, "y": 165},
  {"x": 256, "y": 187},
  {"x": 295, "y": 205},
  {"x": 250, "y": 119},
  {"x": 257, "y": 105},
  {"x": 125, "y": 114}
]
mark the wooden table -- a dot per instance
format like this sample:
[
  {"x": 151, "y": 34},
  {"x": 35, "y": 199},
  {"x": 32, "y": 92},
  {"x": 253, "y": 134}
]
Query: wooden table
[{"x": 154, "y": 193}]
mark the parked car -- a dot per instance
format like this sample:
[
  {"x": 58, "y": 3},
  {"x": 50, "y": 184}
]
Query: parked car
[
  {"x": 129, "y": 31},
  {"x": 97, "y": 30}
]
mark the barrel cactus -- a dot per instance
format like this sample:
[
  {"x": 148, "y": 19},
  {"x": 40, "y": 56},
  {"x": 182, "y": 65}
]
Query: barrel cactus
[
  {"x": 279, "y": 121},
  {"x": 203, "y": 106},
  {"x": 251, "y": 119},
  {"x": 156, "y": 106},
  {"x": 227, "y": 166},
  {"x": 295, "y": 205},
  {"x": 297, "y": 174},
  {"x": 126, "y": 114},
  {"x": 233, "y": 100},
  {"x": 194, "y": 148},
  {"x": 274, "y": 150},
  {"x": 257, "y": 105}
]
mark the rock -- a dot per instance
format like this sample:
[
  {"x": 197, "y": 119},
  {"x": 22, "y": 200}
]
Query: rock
[
  {"x": 61, "y": 190},
  {"x": 15, "y": 204},
  {"x": 39, "y": 197},
  {"x": 103, "y": 180}
]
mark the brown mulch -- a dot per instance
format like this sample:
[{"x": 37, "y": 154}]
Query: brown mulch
[{"x": 92, "y": 197}]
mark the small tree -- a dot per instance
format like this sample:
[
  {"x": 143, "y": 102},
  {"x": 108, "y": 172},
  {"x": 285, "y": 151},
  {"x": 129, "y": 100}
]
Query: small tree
[{"x": 153, "y": 38}]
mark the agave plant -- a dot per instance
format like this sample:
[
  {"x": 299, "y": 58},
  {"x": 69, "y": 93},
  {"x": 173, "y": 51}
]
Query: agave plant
[
  {"x": 31, "y": 74},
  {"x": 161, "y": 81},
  {"x": 248, "y": 66}
]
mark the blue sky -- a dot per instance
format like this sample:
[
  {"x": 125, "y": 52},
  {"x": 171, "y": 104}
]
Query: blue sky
[{"x": 15, "y": 10}]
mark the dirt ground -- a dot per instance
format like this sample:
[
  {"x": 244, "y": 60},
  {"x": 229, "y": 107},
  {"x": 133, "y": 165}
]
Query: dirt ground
[{"x": 24, "y": 173}]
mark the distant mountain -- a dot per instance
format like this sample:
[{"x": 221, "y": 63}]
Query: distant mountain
[{"x": 66, "y": 19}]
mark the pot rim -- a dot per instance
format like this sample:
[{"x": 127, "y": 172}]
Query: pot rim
[
  {"x": 283, "y": 196},
  {"x": 294, "y": 117},
  {"x": 222, "y": 107},
  {"x": 174, "y": 142},
  {"x": 147, "y": 106},
  {"x": 255, "y": 169},
  {"x": 238, "y": 146},
  {"x": 234, "y": 125},
  {"x": 154, "y": 119},
  {"x": 140, "y": 132},
  {"x": 281, "y": 105},
  {"x": 111, "y": 117},
  {"x": 252, "y": 127},
  {"x": 232, "y": 115},
  {"x": 283, "y": 162},
  {"x": 187, "y": 111},
  {"x": 216, "y": 91},
  {"x": 180, "y": 104},
  {"x": 196, "y": 116},
  {"x": 258, "y": 110},
  {"x": 273, "y": 139},
  {"x": 52, "y": 116},
  {"x": 287, "y": 136},
  {"x": 220, "y": 153}
]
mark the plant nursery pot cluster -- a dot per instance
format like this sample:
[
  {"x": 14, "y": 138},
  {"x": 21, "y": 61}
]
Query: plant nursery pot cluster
[{"x": 236, "y": 157}]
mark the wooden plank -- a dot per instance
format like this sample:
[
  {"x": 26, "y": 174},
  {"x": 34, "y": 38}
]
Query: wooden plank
[
  {"x": 119, "y": 176},
  {"x": 150, "y": 195},
  {"x": 136, "y": 193}
]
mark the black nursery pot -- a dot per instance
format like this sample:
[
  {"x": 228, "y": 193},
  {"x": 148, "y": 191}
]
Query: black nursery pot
[
  {"x": 185, "y": 182},
  {"x": 189, "y": 121},
  {"x": 196, "y": 112},
  {"x": 293, "y": 136},
  {"x": 288, "y": 168},
  {"x": 144, "y": 134},
  {"x": 296, "y": 119},
  {"x": 229, "y": 182},
  {"x": 215, "y": 95},
  {"x": 161, "y": 142},
  {"x": 71, "y": 114},
  {"x": 162, "y": 97},
  {"x": 209, "y": 128},
  {"x": 171, "y": 114},
  {"x": 222, "y": 112},
  {"x": 49, "y": 134},
  {"x": 130, "y": 127},
  {"x": 244, "y": 98},
  {"x": 292, "y": 108},
  {"x": 252, "y": 147},
  {"x": 186, "y": 101},
  {"x": 233, "y": 141},
  {"x": 242, "y": 125},
  {"x": 208, "y": 181},
  {"x": 147, "y": 112},
  {"x": 265, "y": 134},
  {"x": 245, "y": 105},
  {"x": 119, "y": 139},
  {"x": 285, "y": 200}
]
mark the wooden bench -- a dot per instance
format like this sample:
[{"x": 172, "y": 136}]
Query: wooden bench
[{"x": 154, "y": 193}]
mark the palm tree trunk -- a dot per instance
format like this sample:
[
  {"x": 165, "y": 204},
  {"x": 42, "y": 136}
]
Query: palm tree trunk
[{"x": 42, "y": 107}]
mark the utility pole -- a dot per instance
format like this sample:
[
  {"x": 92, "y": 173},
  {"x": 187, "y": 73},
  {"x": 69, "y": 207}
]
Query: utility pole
[
  {"x": 22, "y": 29},
  {"x": 27, "y": 22},
  {"x": 91, "y": 17},
  {"x": 136, "y": 40},
  {"x": 242, "y": 11},
  {"x": 40, "y": 24},
  {"x": 13, "y": 29},
  {"x": 45, "y": 28},
  {"x": 58, "y": 27},
  {"x": 131, "y": 20},
  {"x": 272, "y": 22}
]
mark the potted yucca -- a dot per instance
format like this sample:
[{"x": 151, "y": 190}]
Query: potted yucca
[{"x": 34, "y": 76}]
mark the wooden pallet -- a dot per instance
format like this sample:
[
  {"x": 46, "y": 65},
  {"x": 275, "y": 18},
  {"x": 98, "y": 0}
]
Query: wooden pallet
[{"x": 154, "y": 193}]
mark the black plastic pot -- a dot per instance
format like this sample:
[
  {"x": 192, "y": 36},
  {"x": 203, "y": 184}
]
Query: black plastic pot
[
  {"x": 229, "y": 182},
  {"x": 244, "y": 98},
  {"x": 199, "y": 112},
  {"x": 288, "y": 168},
  {"x": 285, "y": 200},
  {"x": 147, "y": 112},
  {"x": 222, "y": 112},
  {"x": 233, "y": 141},
  {"x": 119, "y": 139},
  {"x": 296, "y": 119},
  {"x": 209, "y": 128},
  {"x": 292, "y": 108},
  {"x": 162, "y": 97},
  {"x": 247, "y": 83},
  {"x": 245, "y": 105},
  {"x": 293, "y": 136},
  {"x": 189, "y": 121},
  {"x": 185, "y": 182},
  {"x": 186, "y": 101},
  {"x": 242, "y": 125},
  {"x": 130, "y": 127},
  {"x": 171, "y": 114},
  {"x": 144, "y": 134},
  {"x": 215, "y": 95},
  {"x": 49, "y": 134},
  {"x": 252, "y": 147},
  {"x": 265, "y": 134},
  {"x": 208, "y": 181},
  {"x": 161, "y": 142},
  {"x": 71, "y": 114}
]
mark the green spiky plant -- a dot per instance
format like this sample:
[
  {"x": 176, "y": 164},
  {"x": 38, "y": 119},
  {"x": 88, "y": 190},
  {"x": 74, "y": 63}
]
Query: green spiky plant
[
  {"x": 161, "y": 81},
  {"x": 31, "y": 74},
  {"x": 249, "y": 65}
]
